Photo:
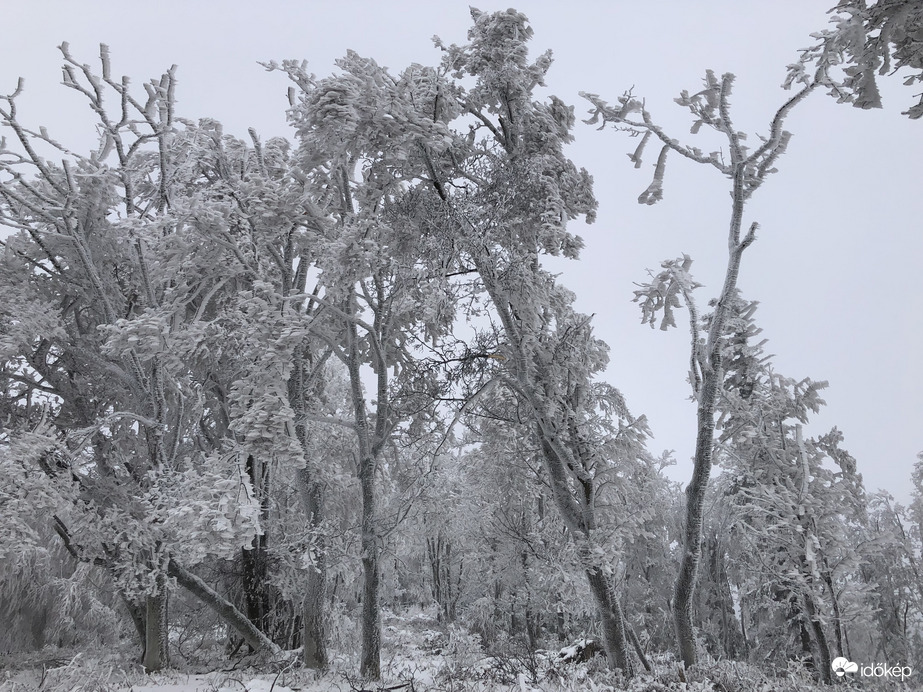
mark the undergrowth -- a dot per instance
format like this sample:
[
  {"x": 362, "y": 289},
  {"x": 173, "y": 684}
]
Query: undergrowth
[{"x": 418, "y": 655}]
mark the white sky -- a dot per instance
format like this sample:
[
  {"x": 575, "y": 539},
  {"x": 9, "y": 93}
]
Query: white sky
[{"x": 836, "y": 265}]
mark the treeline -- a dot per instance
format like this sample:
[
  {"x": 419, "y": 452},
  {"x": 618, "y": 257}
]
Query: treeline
[{"x": 263, "y": 390}]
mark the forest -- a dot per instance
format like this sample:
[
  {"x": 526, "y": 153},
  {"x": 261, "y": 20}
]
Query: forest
[{"x": 315, "y": 413}]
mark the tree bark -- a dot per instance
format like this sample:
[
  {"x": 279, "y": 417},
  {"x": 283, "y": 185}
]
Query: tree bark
[
  {"x": 253, "y": 568},
  {"x": 370, "y": 656},
  {"x": 314, "y": 638},
  {"x": 707, "y": 396},
  {"x": 370, "y": 667},
  {"x": 156, "y": 630},
  {"x": 821, "y": 646},
  {"x": 612, "y": 619},
  {"x": 313, "y": 609},
  {"x": 314, "y": 634},
  {"x": 692, "y": 531},
  {"x": 136, "y": 613},
  {"x": 579, "y": 518},
  {"x": 253, "y": 562}
]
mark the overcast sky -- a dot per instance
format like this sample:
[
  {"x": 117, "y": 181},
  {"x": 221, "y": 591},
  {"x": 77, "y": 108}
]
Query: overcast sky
[{"x": 836, "y": 266}]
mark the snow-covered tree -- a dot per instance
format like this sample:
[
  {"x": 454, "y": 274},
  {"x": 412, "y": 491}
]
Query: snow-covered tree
[
  {"x": 747, "y": 170},
  {"x": 502, "y": 196},
  {"x": 868, "y": 40},
  {"x": 99, "y": 257},
  {"x": 792, "y": 510}
]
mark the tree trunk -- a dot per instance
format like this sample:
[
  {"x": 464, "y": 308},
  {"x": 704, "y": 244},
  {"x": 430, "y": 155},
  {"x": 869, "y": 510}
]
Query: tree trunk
[
  {"x": 136, "y": 612},
  {"x": 692, "y": 531},
  {"x": 370, "y": 657},
  {"x": 821, "y": 646},
  {"x": 156, "y": 630},
  {"x": 313, "y": 609},
  {"x": 258, "y": 599},
  {"x": 253, "y": 569},
  {"x": 707, "y": 396},
  {"x": 314, "y": 638},
  {"x": 578, "y": 512},
  {"x": 612, "y": 620},
  {"x": 841, "y": 650},
  {"x": 370, "y": 667}
]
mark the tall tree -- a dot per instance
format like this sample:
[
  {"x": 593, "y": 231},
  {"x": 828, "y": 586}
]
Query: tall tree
[
  {"x": 501, "y": 197},
  {"x": 747, "y": 171},
  {"x": 363, "y": 137},
  {"x": 100, "y": 247},
  {"x": 795, "y": 508}
]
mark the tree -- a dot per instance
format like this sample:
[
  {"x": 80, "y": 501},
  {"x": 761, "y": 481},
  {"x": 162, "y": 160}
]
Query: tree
[
  {"x": 894, "y": 580},
  {"x": 364, "y": 138},
  {"x": 867, "y": 41},
  {"x": 141, "y": 489},
  {"x": 747, "y": 170},
  {"x": 794, "y": 510},
  {"x": 501, "y": 197}
]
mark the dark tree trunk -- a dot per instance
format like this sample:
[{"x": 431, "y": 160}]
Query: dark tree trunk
[
  {"x": 254, "y": 575},
  {"x": 156, "y": 631},
  {"x": 258, "y": 601},
  {"x": 370, "y": 667}
]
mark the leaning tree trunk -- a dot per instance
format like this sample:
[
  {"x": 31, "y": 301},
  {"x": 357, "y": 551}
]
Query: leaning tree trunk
[
  {"x": 579, "y": 517},
  {"x": 573, "y": 485},
  {"x": 136, "y": 613},
  {"x": 615, "y": 635}
]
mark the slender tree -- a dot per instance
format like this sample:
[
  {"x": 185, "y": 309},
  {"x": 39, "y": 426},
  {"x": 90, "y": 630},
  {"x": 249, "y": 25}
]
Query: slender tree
[
  {"x": 747, "y": 171},
  {"x": 511, "y": 195}
]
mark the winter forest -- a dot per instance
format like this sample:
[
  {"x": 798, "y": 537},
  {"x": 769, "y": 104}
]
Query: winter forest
[{"x": 318, "y": 413}]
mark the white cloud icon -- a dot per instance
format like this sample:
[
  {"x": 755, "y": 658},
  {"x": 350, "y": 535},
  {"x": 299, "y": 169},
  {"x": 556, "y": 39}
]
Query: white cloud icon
[{"x": 841, "y": 666}]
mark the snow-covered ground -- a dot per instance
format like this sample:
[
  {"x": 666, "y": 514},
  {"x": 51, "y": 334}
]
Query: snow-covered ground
[{"x": 418, "y": 655}]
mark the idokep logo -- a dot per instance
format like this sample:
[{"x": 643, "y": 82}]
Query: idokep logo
[{"x": 841, "y": 666}]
